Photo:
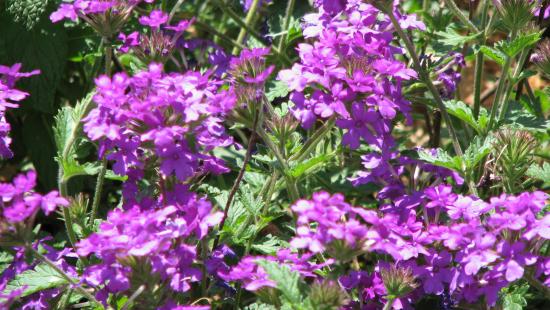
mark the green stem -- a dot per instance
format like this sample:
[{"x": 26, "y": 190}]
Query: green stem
[
  {"x": 67, "y": 218},
  {"x": 426, "y": 5},
  {"x": 458, "y": 13},
  {"x": 478, "y": 71},
  {"x": 291, "y": 185},
  {"x": 286, "y": 23},
  {"x": 74, "y": 283},
  {"x": 499, "y": 92},
  {"x": 248, "y": 21},
  {"x": 98, "y": 189},
  {"x": 517, "y": 72},
  {"x": 222, "y": 36},
  {"x": 425, "y": 77},
  {"x": 315, "y": 138},
  {"x": 235, "y": 17},
  {"x": 174, "y": 10},
  {"x": 389, "y": 304}
]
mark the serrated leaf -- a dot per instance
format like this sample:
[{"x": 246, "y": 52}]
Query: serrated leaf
[
  {"x": 288, "y": 281},
  {"x": 40, "y": 278},
  {"x": 518, "y": 117},
  {"x": 276, "y": 89},
  {"x": 269, "y": 245},
  {"x": 496, "y": 55},
  {"x": 452, "y": 38},
  {"x": 512, "y": 49},
  {"x": 477, "y": 150},
  {"x": 462, "y": 111},
  {"x": 309, "y": 165},
  {"x": 514, "y": 302},
  {"x": 541, "y": 173},
  {"x": 442, "y": 159},
  {"x": 260, "y": 306}
]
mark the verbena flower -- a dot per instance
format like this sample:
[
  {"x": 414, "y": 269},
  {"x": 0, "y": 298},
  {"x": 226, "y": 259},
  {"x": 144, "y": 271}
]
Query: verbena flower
[
  {"x": 9, "y": 98},
  {"x": 154, "y": 119}
]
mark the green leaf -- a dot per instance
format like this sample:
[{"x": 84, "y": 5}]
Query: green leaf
[
  {"x": 477, "y": 150},
  {"x": 288, "y": 281},
  {"x": 514, "y": 302},
  {"x": 442, "y": 159},
  {"x": 269, "y": 245},
  {"x": 40, "y": 278},
  {"x": 260, "y": 306},
  {"x": 309, "y": 165},
  {"x": 462, "y": 111},
  {"x": 44, "y": 48},
  {"x": 512, "y": 49},
  {"x": 276, "y": 89},
  {"x": 541, "y": 173},
  {"x": 520, "y": 118},
  {"x": 452, "y": 38},
  {"x": 496, "y": 55}
]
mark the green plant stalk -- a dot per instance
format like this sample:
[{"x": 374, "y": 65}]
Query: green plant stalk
[
  {"x": 313, "y": 140},
  {"x": 98, "y": 189},
  {"x": 235, "y": 17},
  {"x": 286, "y": 23},
  {"x": 292, "y": 188},
  {"x": 63, "y": 191},
  {"x": 426, "y": 4},
  {"x": 389, "y": 304},
  {"x": 517, "y": 72},
  {"x": 101, "y": 175},
  {"x": 499, "y": 91},
  {"x": 222, "y": 36},
  {"x": 458, "y": 13},
  {"x": 248, "y": 21},
  {"x": 478, "y": 71},
  {"x": 175, "y": 8},
  {"x": 425, "y": 77},
  {"x": 74, "y": 283}
]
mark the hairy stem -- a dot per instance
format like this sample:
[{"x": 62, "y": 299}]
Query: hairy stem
[
  {"x": 478, "y": 71},
  {"x": 458, "y": 13},
  {"x": 314, "y": 140},
  {"x": 286, "y": 23},
  {"x": 291, "y": 185},
  {"x": 424, "y": 76},
  {"x": 517, "y": 72},
  {"x": 235, "y": 187},
  {"x": 98, "y": 189},
  {"x": 248, "y": 21}
]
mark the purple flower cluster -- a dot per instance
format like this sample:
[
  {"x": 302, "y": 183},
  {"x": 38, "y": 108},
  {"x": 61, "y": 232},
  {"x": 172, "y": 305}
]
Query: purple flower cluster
[
  {"x": 154, "y": 119},
  {"x": 19, "y": 202},
  {"x": 84, "y": 8},
  {"x": 254, "y": 277},
  {"x": 350, "y": 73},
  {"x": 161, "y": 241},
  {"x": 460, "y": 245},
  {"x": 9, "y": 96},
  {"x": 19, "y": 206}
]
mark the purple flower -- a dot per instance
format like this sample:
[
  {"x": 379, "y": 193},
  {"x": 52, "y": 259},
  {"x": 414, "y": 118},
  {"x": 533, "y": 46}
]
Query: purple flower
[{"x": 155, "y": 19}]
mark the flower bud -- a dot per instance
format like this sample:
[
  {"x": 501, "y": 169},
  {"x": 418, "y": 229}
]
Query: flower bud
[
  {"x": 327, "y": 295},
  {"x": 398, "y": 281},
  {"x": 516, "y": 13},
  {"x": 541, "y": 57}
]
